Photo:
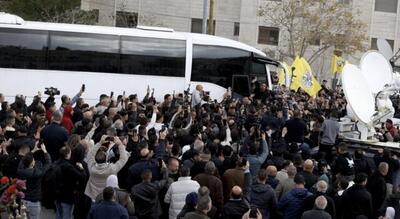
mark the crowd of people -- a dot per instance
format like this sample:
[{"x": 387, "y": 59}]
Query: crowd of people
[{"x": 275, "y": 154}]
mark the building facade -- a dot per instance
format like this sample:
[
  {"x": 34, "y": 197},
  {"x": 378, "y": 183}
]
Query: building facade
[{"x": 238, "y": 20}]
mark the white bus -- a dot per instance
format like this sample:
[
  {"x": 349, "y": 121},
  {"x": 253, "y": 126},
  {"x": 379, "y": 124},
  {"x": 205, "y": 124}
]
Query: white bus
[{"x": 35, "y": 55}]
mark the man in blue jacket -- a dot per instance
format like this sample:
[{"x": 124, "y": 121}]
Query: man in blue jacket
[
  {"x": 257, "y": 157},
  {"x": 108, "y": 208},
  {"x": 291, "y": 203}
]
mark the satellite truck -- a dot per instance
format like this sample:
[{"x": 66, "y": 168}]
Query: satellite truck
[{"x": 368, "y": 88}]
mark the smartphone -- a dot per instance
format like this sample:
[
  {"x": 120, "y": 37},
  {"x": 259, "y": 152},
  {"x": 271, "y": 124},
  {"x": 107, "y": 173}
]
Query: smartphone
[
  {"x": 83, "y": 88},
  {"x": 40, "y": 142},
  {"x": 112, "y": 94},
  {"x": 123, "y": 93}
]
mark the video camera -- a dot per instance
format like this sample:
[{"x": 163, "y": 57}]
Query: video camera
[{"x": 51, "y": 91}]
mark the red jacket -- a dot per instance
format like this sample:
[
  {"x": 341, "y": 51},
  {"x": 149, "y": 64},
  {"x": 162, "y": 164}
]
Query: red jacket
[{"x": 67, "y": 121}]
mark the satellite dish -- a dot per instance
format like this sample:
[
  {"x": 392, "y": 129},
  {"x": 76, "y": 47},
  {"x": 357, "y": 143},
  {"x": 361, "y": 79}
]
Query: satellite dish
[
  {"x": 358, "y": 94},
  {"x": 384, "y": 48},
  {"x": 376, "y": 70}
]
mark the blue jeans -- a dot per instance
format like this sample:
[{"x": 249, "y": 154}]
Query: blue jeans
[
  {"x": 64, "y": 210},
  {"x": 33, "y": 209}
]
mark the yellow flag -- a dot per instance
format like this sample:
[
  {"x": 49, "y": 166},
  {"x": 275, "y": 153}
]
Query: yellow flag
[
  {"x": 297, "y": 74},
  {"x": 303, "y": 77},
  {"x": 337, "y": 64},
  {"x": 309, "y": 83},
  {"x": 282, "y": 75}
]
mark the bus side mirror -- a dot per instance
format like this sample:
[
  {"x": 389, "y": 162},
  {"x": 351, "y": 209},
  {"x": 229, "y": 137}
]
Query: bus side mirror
[{"x": 241, "y": 86}]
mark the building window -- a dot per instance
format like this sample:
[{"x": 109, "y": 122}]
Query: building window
[
  {"x": 386, "y": 6},
  {"x": 268, "y": 35},
  {"x": 374, "y": 44},
  {"x": 236, "y": 29},
  {"x": 126, "y": 19},
  {"x": 197, "y": 25}
]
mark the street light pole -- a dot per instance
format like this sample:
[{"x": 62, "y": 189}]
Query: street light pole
[
  {"x": 205, "y": 15},
  {"x": 115, "y": 13}
]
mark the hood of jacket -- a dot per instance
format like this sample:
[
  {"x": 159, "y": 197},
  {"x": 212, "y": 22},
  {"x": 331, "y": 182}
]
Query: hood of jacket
[
  {"x": 260, "y": 188},
  {"x": 299, "y": 193}
]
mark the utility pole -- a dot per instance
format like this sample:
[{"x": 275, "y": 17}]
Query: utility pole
[
  {"x": 205, "y": 15},
  {"x": 115, "y": 13},
  {"x": 211, "y": 18}
]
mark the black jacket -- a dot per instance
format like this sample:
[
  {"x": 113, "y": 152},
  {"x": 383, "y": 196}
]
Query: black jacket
[
  {"x": 377, "y": 187},
  {"x": 234, "y": 209},
  {"x": 33, "y": 177},
  {"x": 11, "y": 165},
  {"x": 145, "y": 197},
  {"x": 356, "y": 201},
  {"x": 54, "y": 137},
  {"x": 344, "y": 164},
  {"x": 310, "y": 179},
  {"x": 296, "y": 129},
  {"x": 71, "y": 177},
  {"x": 263, "y": 197}
]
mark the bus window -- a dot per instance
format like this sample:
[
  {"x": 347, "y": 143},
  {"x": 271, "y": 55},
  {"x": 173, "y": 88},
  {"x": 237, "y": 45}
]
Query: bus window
[
  {"x": 149, "y": 56},
  {"x": 216, "y": 64},
  {"x": 23, "y": 49},
  {"x": 241, "y": 85},
  {"x": 84, "y": 52}
]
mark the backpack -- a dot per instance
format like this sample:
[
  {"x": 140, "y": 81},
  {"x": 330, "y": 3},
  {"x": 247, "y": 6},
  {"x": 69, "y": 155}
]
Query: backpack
[{"x": 52, "y": 184}]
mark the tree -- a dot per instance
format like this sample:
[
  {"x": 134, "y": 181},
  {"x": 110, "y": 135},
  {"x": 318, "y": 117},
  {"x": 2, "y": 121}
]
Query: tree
[
  {"x": 59, "y": 11},
  {"x": 312, "y": 27},
  {"x": 127, "y": 18}
]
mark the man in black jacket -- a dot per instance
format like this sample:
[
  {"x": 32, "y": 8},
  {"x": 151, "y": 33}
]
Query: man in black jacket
[
  {"x": 145, "y": 194},
  {"x": 11, "y": 164},
  {"x": 236, "y": 206},
  {"x": 54, "y": 135},
  {"x": 357, "y": 200},
  {"x": 318, "y": 210},
  {"x": 296, "y": 128},
  {"x": 71, "y": 174},
  {"x": 377, "y": 187},
  {"x": 32, "y": 172},
  {"x": 262, "y": 195},
  {"x": 343, "y": 166}
]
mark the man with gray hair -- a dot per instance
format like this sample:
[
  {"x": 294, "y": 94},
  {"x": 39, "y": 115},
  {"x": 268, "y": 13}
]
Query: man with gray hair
[
  {"x": 322, "y": 188},
  {"x": 213, "y": 183},
  {"x": 204, "y": 205},
  {"x": 318, "y": 210},
  {"x": 377, "y": 187},
  {"x": 54, "y": 135}
]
